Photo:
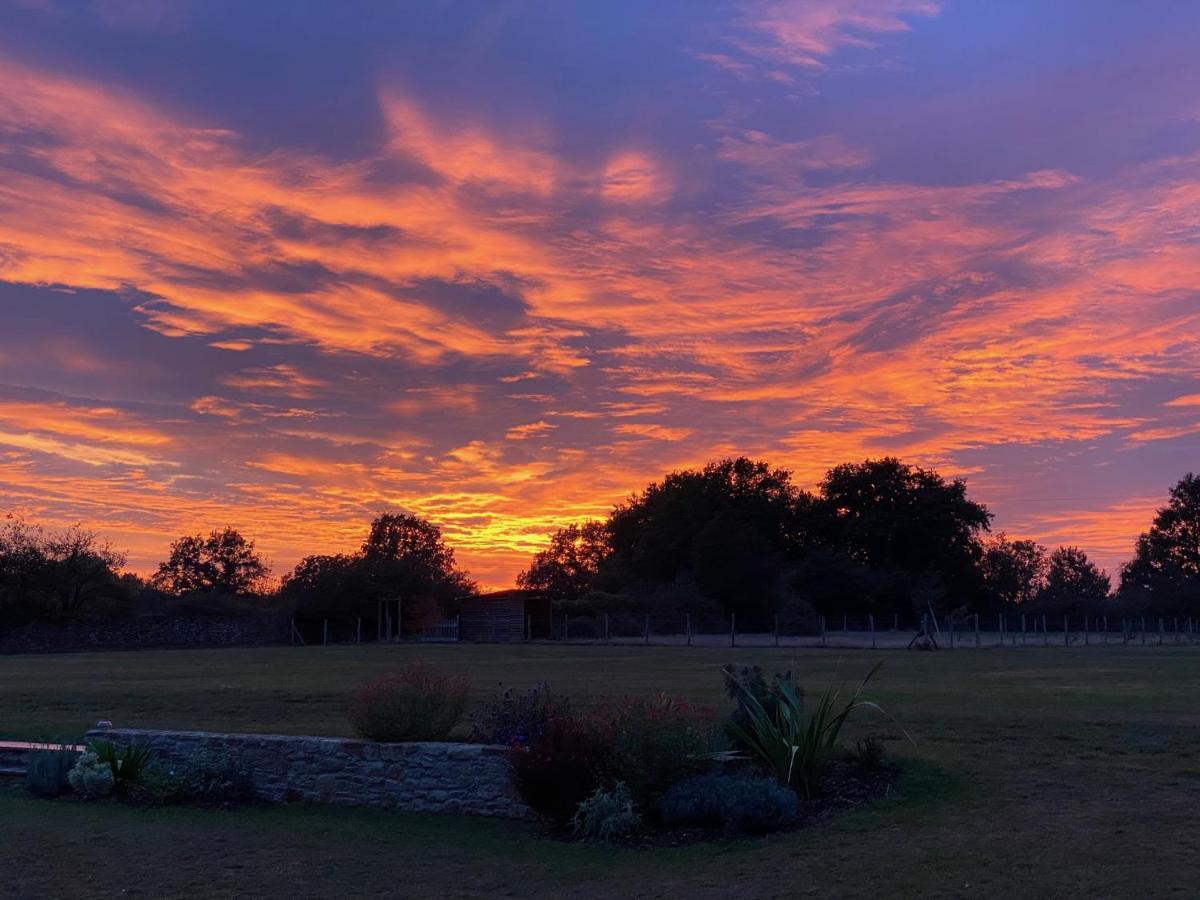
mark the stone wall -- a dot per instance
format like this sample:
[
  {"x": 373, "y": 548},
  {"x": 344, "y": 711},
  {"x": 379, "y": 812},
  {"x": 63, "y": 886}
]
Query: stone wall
[
  {"x": 419, "y": 777},
  {"x": 144, "y": 631}
]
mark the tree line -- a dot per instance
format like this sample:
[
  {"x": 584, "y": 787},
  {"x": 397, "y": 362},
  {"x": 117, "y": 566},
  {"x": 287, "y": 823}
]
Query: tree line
[{"x": 737, "y": 537}]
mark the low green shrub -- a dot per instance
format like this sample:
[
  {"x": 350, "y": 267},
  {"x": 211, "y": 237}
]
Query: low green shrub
[
  {"x": 211, "y": 777},
  {"x": 91, "y": 778},
  {"x": 605, "y": 815},
  {"x": 47, "y": 770},
  {"x": 516, "y": 718},
  {"x": 735, "y": 804},
  {"x": 650, "y": 743},
  {"x": 127, "y": 766},
  {"x": 415, "y": 705}
]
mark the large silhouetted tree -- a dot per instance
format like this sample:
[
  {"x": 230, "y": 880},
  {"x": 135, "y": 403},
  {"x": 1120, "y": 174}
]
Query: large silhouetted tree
[
  {"x": 567, "y": 569},
  {"x": 403, "y": 557},
  {"x": 1073, "y": 583},
  {"x": 728, "y": 527},
  {"x": 914, "y": 535},
  {"x": 1165, "y": 570},
  {"x": 1014, "y": 572},
  {"x": 221, "y": 562}
]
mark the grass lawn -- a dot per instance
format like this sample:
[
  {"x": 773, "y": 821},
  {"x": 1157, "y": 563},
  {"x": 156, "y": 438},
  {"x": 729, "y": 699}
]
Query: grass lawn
[{"x": 1036, "y": 772}]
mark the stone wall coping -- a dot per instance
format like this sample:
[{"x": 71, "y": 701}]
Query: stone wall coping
[{"x": 447, "y": 747}]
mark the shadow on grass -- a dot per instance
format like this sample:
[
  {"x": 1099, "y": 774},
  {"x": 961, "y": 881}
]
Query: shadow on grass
[{"x": 922, "y": 785}]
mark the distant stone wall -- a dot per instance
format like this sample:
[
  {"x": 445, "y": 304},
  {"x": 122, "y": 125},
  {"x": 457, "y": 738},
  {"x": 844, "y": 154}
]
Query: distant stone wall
[
  {"x": 144, "y": 631},
  {"x": 420, "y": 777}
]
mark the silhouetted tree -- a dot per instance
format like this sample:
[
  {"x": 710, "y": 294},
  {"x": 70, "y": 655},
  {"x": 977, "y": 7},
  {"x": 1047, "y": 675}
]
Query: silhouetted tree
[
  {"x": 222, "y": 562},
  {"x": 1165, "y": 570},
  {"x": 403, "y": 557},
  {"x": 1013, "y": 571},
  {"x": 1073, "y": 583},
  {"x": 916, "y": 532},
  {"x": 54, "y": 575},
  {"x": 567, "y": 569},
  {"x": 737, "y": 513}
]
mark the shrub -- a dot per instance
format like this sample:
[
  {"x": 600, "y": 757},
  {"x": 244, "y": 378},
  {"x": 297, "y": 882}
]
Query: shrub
[
  {"x": 210, "y": 777},
  {"x": 649, "y": 743},
  {"x": 557, "y": 770},
  {"x": 736, "y": 804},
  {"x": 415, "y": 705},
  {"x": 47, "y": 771},
  {"x": 606, "y": 815},
  {"x": 867, "y": 752},
  {"x": 205, "y": 777},
  {"x": 749, "y": 681},
  {"x": 793, "y": 746},
  {"x": 158, "y": 785},
  {"x": 90, "y": 777},
  {"x": 515, "y": 719},
  {"x": 127, "y": 766}
]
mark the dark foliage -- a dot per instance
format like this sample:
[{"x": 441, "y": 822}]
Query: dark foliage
[
  {"x": 50, "y": 576},
  {"x": 649, "y": 743},
  {"x": 46, "y": 771},
  {"x": 567, "y": 569},
  {"x": 559, "y": 769},
  {"x": 403, "y": 557},
  {"x": 741, "y": 681},
  {"x": 223, "y": 562},
  {"x": 735, "y": 804},
  {"x": 1165, "y": 570},
  {"x": 1073, "y": 584},
  {"x": 515, "y": 719},
  {"x": 417, "y": 704}
]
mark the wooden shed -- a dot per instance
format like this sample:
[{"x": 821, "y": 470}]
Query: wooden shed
[{"x": 504, "y": 616}]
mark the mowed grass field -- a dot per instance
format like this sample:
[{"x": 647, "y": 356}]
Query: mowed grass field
[{"x": 1037, "y": 772}]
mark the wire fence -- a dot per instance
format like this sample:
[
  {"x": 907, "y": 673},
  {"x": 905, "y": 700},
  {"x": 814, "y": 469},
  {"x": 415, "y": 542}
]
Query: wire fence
[{"x": 842, "y": 632}]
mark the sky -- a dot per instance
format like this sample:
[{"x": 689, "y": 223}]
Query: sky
[{"x": 284, "y": 266}]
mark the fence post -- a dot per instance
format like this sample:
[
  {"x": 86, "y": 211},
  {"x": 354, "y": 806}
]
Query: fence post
[
  {"x": 1160, "y": 631},
  {"x": 1106, "y": 629},
  {"x": 358, "y": 632},
  {"x": 1085, "y": 631},
  {"x": 529, "y": 628},
  {"x": 823, "y": 644},
  {"x": 379, "y": 624},
  {"x": 1023, "y": 635},
  {"x": 1000, "y": 625},
  {"x": 776, "y": 629},
  {"x": 1143, "y": 631},
  {"x": 687, "y": 623},
  {"x": 606, "y": 626},
  {"x": 895, "y": 621},
  {"x": 292, "y": 630},
  {"x": 1045, "y": 634},
  {"x": 399, "y": 620},
  {"x": 733, "y": 629},
  {"x": 458, "y": 627},
  {"x": 647, "y": 635},
  {"x": 871, "y": 625},
  {"x": 566, "y": 626},
  {"x": 976, "y": 629},
  {"x": 844, "y": 619},
  {"x": 1177, "y": 629},
  {"x": 1066, "y": 633},
  {"x": 325, "y": 633},
  {"x": 1124, "y": 630},
  {"x": 952, "y": 632}
]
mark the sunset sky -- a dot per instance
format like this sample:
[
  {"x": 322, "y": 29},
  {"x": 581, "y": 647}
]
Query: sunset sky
[{"x": 283, "y": 266}]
